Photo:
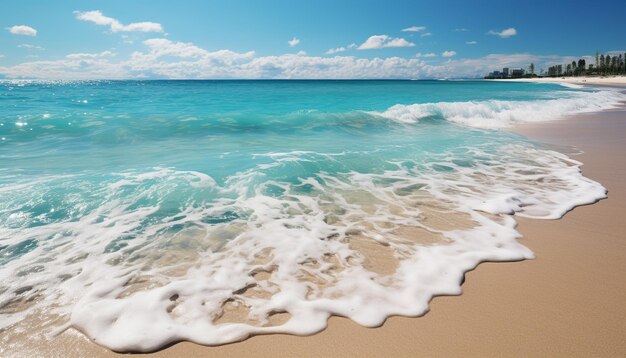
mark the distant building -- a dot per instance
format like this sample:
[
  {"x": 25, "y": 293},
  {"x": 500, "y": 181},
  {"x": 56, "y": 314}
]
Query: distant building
[
  {"x": 517, "y": 72},
  {"x": 506, "y": 73}
]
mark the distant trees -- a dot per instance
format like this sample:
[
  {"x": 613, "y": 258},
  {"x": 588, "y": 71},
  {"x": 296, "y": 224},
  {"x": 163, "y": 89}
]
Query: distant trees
[
  {"x": 609, "y": 64},
  {"x": 605, "y": 64},
  {"x": 580, "y": 69}
]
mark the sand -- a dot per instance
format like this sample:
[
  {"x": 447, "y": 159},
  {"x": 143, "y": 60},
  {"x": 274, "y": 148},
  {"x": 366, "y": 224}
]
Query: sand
[
  {"x": 582, "y": 80},
  {"x": 569, "y": 301}
]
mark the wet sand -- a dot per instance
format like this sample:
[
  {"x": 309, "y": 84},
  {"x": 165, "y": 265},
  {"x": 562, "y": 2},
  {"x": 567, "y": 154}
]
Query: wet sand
[{"x": 569, "y": 301}]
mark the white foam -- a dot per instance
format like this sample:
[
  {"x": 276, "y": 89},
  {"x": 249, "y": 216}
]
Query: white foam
[
  {"x": 499, "y": 114},
  {"x": 571, "y": 85},
  {"x": 301, "y": 238}
]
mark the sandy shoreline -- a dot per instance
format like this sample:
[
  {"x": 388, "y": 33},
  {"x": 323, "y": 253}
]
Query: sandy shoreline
[
  {"x": 567, "y": 302},
  {"x": 581, "y": 80}
]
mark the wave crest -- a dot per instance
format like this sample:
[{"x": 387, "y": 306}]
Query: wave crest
[{"x": 499, "y": 114}]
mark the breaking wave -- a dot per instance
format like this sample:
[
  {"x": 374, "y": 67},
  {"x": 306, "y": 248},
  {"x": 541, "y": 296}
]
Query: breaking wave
[{"x": 499, "y": 113}]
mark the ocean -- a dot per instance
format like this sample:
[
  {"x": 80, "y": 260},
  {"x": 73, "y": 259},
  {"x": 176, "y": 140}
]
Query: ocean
[{"x": 143, "y": 213}]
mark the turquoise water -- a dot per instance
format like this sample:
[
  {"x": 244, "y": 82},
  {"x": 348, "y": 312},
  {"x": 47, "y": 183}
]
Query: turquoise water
[
  {"x": 131, "y": 124},
  {"x": 136, "y": 124},
  {"x": 104, "y": 182}
]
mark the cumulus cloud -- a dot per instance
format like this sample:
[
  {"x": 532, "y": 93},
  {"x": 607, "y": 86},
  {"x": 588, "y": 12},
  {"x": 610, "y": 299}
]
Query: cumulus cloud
[
  {"x": 163, "y": 47},
  {"x": 162, "y": 58},
  {"x": 382, "y": 41},
  {"x": 504, "y": 33},
  {"x": 22, "y": 30},
  {"x": 336, "y": 50},
  {"x": 170, "y": 59},
  {"x": 448, "y": 53},
  {"x": 293, "y": 42},
  {"x": 426, "y": 55},
  {"x": 471, "y": 42},
  {"x": 414, "y": 29},
  {"x": 333, "y": 51},
  {"x": 98, "y": 18}
]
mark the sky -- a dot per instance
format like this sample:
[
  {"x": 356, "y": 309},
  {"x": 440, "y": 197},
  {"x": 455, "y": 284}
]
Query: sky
[{"x": 224, "y": 39}]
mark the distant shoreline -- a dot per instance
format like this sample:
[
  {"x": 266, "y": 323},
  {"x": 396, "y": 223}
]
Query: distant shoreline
[{"x": 580, "y": 80}]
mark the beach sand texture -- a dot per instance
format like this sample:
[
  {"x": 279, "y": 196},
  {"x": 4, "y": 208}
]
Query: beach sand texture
[{"x": 581, "y": 80}]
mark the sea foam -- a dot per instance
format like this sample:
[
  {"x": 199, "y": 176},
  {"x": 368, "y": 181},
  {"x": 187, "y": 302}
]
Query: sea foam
[
  {"x": 500, "y": 114},
  {"x": 133, "y": 283}
]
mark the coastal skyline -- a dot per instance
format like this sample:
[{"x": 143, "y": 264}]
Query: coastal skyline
[{"x": 277, "y": 39}]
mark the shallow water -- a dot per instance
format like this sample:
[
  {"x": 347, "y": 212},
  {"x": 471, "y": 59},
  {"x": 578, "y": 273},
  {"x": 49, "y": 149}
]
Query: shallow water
[{"x": 146, "y": 212}]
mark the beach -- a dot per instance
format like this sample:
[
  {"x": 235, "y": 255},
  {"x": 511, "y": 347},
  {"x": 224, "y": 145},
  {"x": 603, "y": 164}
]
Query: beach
[
  {"x": 233, "y": 179},
  {"x": 568, "y": 301},
  {"x": 579, "y": 80}
]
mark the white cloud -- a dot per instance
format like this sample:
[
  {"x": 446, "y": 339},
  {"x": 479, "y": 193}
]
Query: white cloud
[
  {"x": 616, "y": 52},
  {"x": 426, "y": 34},
  {"x": 98, "y": 18},
  {"x": 162, "y": 58},
  {"x": 504, "y": 33},
  {"x": 127, "y": 39},
  {"x": 293, "y": 42},
  {"x": 68, "y": 69},
  {"x": 414, "y": 29},
  {"x": 471, "y": 42},
  {"x": 382, "y": 41},
  {"x": 336, "y": 50},
  {"x": 448, "y": 53},
  {"x": 333, "y": 51},
  {"x": 460, "y": 29},
  {"x": 301, "y": 53},
  {"x": 163, "y": 52},
  {"x": 22, "y": 30},
  {"x": 163, "y": 47},
  {"x": 426, "y": 55},
  {"x": 30, "y": 47},
  {"x": 103, "y": 54}
]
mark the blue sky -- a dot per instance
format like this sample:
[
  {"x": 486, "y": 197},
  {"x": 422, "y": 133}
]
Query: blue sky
[{"x": 251, "y": 39}]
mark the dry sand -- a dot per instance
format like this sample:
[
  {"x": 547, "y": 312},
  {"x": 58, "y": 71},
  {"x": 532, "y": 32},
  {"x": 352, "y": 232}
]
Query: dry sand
[
  {"x": 570, "y": 301},
  {"x": 582, "y": 80}
]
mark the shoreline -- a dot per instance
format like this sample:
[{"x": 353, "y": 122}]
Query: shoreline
[
  {"x": 567, "y": 301},
  {"x": 580, "y": 80}
]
